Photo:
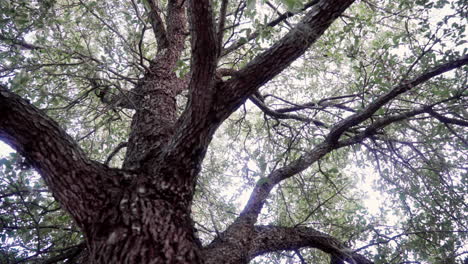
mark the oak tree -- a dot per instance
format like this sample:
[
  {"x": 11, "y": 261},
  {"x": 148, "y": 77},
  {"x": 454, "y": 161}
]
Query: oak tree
[{"x": 146, "y": 121}]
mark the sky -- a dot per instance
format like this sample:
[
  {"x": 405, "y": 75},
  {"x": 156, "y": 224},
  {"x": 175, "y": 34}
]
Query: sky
[{"x": 5, "y": 150}]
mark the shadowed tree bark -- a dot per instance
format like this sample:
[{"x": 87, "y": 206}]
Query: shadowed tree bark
[{"x": 141, "y": 213}]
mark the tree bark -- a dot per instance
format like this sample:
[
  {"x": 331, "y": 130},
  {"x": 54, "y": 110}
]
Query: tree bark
[{"x": 126, "y": 216}]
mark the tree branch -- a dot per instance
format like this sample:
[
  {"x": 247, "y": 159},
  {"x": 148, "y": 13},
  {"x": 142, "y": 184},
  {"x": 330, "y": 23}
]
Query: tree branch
[
  {"x": 204, "y": 48},
  {"x": 176, "y": 25},
  {"x": 279, "y": 56},
  {"x": 202, "y": 83},
  {"x": 279, "y": 115},
  {"x": 124, "y": 99},
  {"x": 21, "y": 43},
  {"x": 274, "y": 238},
  {"x": 222, "y": 20},
  {"x": 245, "y": 242},
  {"x": 211, "y": 101},
  {"x": 447, "y": 120},
  {"x": 71, "y": 176},
  {"x": 286, "y": 15},
  {"x": 367, "y": 112},
  {"x": 380, "y": 124},
  {"x": 264, "y": 186},
  {"x": 272, "y": 23},
  {"x": 69, "y": 253},
  {"x": 321, "y": 104},
  {"x": 158, "y": 25},
  {"x": 115, "y": 151}
]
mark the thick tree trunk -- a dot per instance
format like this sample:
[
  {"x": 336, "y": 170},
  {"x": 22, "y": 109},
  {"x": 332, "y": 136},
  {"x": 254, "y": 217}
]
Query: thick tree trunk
[
  {"x": 143, "y": 229},
  {"x": 156, "y": 109},
  {"x": 150, "y": 222}
]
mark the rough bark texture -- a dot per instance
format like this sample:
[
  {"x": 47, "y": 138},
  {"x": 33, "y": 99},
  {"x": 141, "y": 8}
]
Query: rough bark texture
[{"x": 141, "y": 213}]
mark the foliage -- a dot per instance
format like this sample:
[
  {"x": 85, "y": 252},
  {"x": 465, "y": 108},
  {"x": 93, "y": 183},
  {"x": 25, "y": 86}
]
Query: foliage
[{"x": 33, "y": 226}]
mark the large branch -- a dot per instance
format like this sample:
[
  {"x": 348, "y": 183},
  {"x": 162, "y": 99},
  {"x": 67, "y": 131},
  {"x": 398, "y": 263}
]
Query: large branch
[
  {"x": 204, "y": 58},
  {"x": 192, "y": 128},
  {"x": 176, "y": 25},
  {"x": 222, "y": 21},
  {"x": 380, "y": 124},
  {"x": 264, "y": 186},
  {"x": 210, "y": 104},
  {"x": 244, "y": 243},
  {"x": 190, "y": 138},
  {"x": 357, "y": 118},
  {"x": 271, "y": 24},
  {"x": 448, "y": 120},
  {"x": 157, "y": 24},
  {"x": 204, "y": 49},
  {"x": 74, "y": 180},
  {"x": 383, "y": 122},
  {"x": 279, "y": 56},
  {"x": 275, "y": 238}
]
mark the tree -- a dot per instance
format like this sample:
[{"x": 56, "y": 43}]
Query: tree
[{"x": 302, "y": 90}]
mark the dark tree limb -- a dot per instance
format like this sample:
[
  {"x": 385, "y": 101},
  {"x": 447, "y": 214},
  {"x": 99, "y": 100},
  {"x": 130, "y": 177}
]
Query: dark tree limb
[
  {"x": 155, "y": 104},
  {"x": 245, "y": 242},
  {"x": 70, "y": 175},
  {"x": 204, "y": 47},
  {"x": 123, "y": 99},
  {"x": 321, "y": 104},
  {"x": 380, "y": 124},
  {"x": 367, "y": 112},
  {"x": 222, "y": 21},
  {"x": 272, "y": 23},
  {"x": 176, "y": 25},
  {"x": 191, "y": 136},
  {"x": 447, "y": 120},
  {"x": 114, "y": 152},
  {"x": 283, "y": 15},
  {"x": 263, "y": 187},
  {"x": 274, "y": 238},
  {"x": 279, "y": 56},
  {"x": 211, "y": 101},
  {"x": 299, "y": 255},
  {"x": 279, "y": 115},
  {"x": 157, "y": 24},
  {"x": 21, "y": 43}
]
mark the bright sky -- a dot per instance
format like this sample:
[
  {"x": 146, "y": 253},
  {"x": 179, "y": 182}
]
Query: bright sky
[{"x": 5, "y": 149}]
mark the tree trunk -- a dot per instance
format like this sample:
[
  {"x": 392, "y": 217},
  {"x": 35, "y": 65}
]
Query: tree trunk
[
  {"x": 143, "y": 229},
  {"x": 150, "y": 221}
]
